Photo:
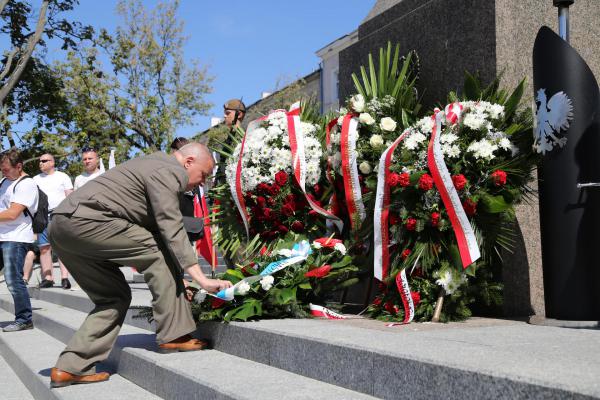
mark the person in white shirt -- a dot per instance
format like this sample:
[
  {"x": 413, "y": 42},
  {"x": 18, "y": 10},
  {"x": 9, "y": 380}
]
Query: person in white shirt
[
  {"x": 18, "y": 196},
  {"x": 57, "y": 185},
  {"x": 91, "y": 165}
]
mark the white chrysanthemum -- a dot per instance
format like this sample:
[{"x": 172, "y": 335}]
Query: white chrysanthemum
[
  {"x": 267, "y": 282},
  {"x": 425, "y": 125},
  {"x": 475, "y": 121},
  {"x": 505, "y": 144},
  {"x": 413, "y": 140},
  {"x": 340, "y": 120},
  {"x": 334, "y": 138},
  {"x": 387, "y": 124},
  {"x": 358, "y": 103},
  {"x": 339, "y": 247},
  {"x": 450, "y": 282},
  {"x": 483, "y": 149},
  {"x": 451, "y": 151},
  {"x": 365, "y": 168},
  {"x": 317, "y": 245},
  {"x": 243, "y": 288},
  {"x": 448, "y": 138},
  {"x": 376, "y": 141},
  {"x": 366, "y": 118}
]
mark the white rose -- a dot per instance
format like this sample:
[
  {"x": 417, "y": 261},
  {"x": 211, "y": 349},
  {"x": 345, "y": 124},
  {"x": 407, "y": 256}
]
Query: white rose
[
  {"x": 376, "y": 141},
  {"x": 365, "y": 168},
  {"x": 243, "y": 288},
  {"x": 340, "y": 247},
  {"x": 365, "y": 118},
  {"x": 358, "y": 103},
  {"x": 267, "y": 282},
  {"x": 387, "y": 124}
]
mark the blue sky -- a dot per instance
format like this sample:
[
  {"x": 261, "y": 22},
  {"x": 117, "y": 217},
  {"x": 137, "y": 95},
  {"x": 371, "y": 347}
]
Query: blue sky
[{"x": 249, "y": 45}]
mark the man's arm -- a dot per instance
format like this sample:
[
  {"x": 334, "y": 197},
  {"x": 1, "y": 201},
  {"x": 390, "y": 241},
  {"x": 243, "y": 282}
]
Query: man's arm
[
  {"x": 12, "y": 212},
  {"x": 68, "y": 192}
]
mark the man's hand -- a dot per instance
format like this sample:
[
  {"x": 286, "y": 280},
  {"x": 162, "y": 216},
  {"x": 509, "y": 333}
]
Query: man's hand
[{"x": 210, "y": 285}]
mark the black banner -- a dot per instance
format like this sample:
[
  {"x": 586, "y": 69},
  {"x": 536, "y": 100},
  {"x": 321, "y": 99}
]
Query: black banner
[{"x": 568, "y": 133}]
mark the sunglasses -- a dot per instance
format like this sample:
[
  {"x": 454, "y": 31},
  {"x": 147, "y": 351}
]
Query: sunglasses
[
  {"x": 88, "y": 149},
  {"x": 44, "y": 161}
]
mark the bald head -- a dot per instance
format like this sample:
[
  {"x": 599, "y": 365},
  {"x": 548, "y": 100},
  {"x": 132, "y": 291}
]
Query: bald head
[{"x": 197, "y": 161}]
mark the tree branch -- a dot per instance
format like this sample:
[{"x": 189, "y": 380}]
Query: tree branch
[
  {"x": 32, "y": 41},
  {"x": 3, "y": 4},
  {"x": 9, "y": 61}
]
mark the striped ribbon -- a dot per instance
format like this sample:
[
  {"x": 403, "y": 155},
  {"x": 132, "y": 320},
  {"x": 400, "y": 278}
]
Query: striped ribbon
[{"x": 354, "y": 203}]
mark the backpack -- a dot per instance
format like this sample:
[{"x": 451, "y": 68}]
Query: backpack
[{"x": 39, "y": 221}]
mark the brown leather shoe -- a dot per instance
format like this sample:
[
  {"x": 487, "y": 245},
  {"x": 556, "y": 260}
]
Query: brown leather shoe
[
  {"x": 60, "y": 378},
  {"x": 184, "y": 343}
]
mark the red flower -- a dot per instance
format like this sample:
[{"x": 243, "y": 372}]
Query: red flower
[
  {"x": 394, "y": 179},
  {"x": 267, "y": 212},
  {"x": 499, "y": 177},
  {"x": 377, "y": 301},
  {"x": 404, "y": 179},
  {"x": 313, "y": 213},
  {"x": 328, "y": 242},
  {"x": 298, "y": 227},
  {"x": 281, "y": 178},
  {"x": 287, "y": 210},
  {"x": 411, "y": 224},
  {"x": 318, "y": 190},
  {"x": 263, "y": 188},
  {"x": 405, "y": 254},
  {"x": 217, "y": 202},
  {"x": 435, "y": 219},
  {"x": 283, "y": 229},
  {"x": 270, "y": 201},
  {"x": 425, "y": 182},
  {"x": 263, "y": 251},
  {"x": 459, "y": 181},
  {"x": 261, "y": 201},
  {"x": 470, "y": 207},
  {"x": 389, "y": 307},
  {"x": 274, "y": 189},
  {"x": 318, "y": 272},
  {"x": 394, "y": 219},
  {"x": 416, "y": 298},
  {"x": 217, "y": 303}
]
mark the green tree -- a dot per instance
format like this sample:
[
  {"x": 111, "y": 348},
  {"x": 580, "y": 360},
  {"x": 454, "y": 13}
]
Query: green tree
[
  {"x": 133, "y": 89},
  {"x": 28, "y": 88}
]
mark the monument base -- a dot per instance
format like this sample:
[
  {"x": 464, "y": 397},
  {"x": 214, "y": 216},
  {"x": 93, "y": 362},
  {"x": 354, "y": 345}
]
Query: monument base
[{"x": 557, "y": 323}]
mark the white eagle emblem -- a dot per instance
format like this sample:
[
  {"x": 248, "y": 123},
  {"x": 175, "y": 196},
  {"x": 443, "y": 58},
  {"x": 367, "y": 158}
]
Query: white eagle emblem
[{"x": 551, "y": 117}]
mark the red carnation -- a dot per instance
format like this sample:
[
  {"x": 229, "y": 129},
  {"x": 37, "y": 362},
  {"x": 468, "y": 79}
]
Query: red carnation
[
  {"x": 435, "y": 219},
  {"x": 470, "y": 207},
  {"x": 411, "y": 224},
  {"x": 263, "y": 187},
  {"x": 499, "y": 177},
  {"x": 404, "y": 179},
  {"x": 459, "y": 181},
  {"x": 425, "y": 182},
  {"x": 313, "y": 213},
  {"x": 267, "y": 212},
  {"x": 264, "y": 251},
  {"x": 281, "y": 178},
  {"x": 394, "y": 179},
  {"x": 318, "y": 190},
  {"x": 394, "y": 219},
  {"x": 328, "y": 242},
  {"x": 405, "y": 254},
  {"x": 377, "y": 301},
  {"x": 287, "y": 210},
  {"x": 297, "y": 226},
  {"x": 217, "y": 303},
  {"x": 416, "y": 298},
  {"x": 389, "y": 307},
  {"x": 318, "y": 272},
  {"x": 283, "y": 229},
  {"x": 261, "y": 201},
  {"x": 274, "y": 189}
]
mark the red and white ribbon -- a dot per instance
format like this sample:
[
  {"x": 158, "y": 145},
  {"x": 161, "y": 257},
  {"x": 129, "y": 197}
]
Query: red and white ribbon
[
  {"x": 453, "y": 112},
  {"x": 381, "y": 238},
  {"x": 356, "y": 208},
  {"x": 296, "y": 136},
  {"x": 235, "y": 185},
  {"x": 323, "y": 312},
  {"x": 465, "y": 237}
]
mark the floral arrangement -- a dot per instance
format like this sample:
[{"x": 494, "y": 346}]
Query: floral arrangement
[
  {"x": 486, "y": 147},
  {"x": 282, "y": 283}
]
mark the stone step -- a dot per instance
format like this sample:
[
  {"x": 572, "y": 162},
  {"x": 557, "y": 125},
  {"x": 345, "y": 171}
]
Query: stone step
[
  {"x": 195, "y": 375},
  {"x": 498, "y": 358},
  {"x": 12, "y": 388},
  {"x": 32, "y": 353}
]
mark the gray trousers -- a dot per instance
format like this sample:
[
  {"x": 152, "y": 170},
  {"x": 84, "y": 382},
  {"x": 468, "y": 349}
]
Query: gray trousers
[{"x": 93, "y": 251}]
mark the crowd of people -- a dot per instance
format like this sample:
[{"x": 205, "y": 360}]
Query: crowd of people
[{"x": 139, "y": 213}]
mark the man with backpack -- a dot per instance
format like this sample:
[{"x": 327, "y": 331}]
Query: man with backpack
[
  {"x": 57, "y": 185},
  {"x": 19, "y": 197}
]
